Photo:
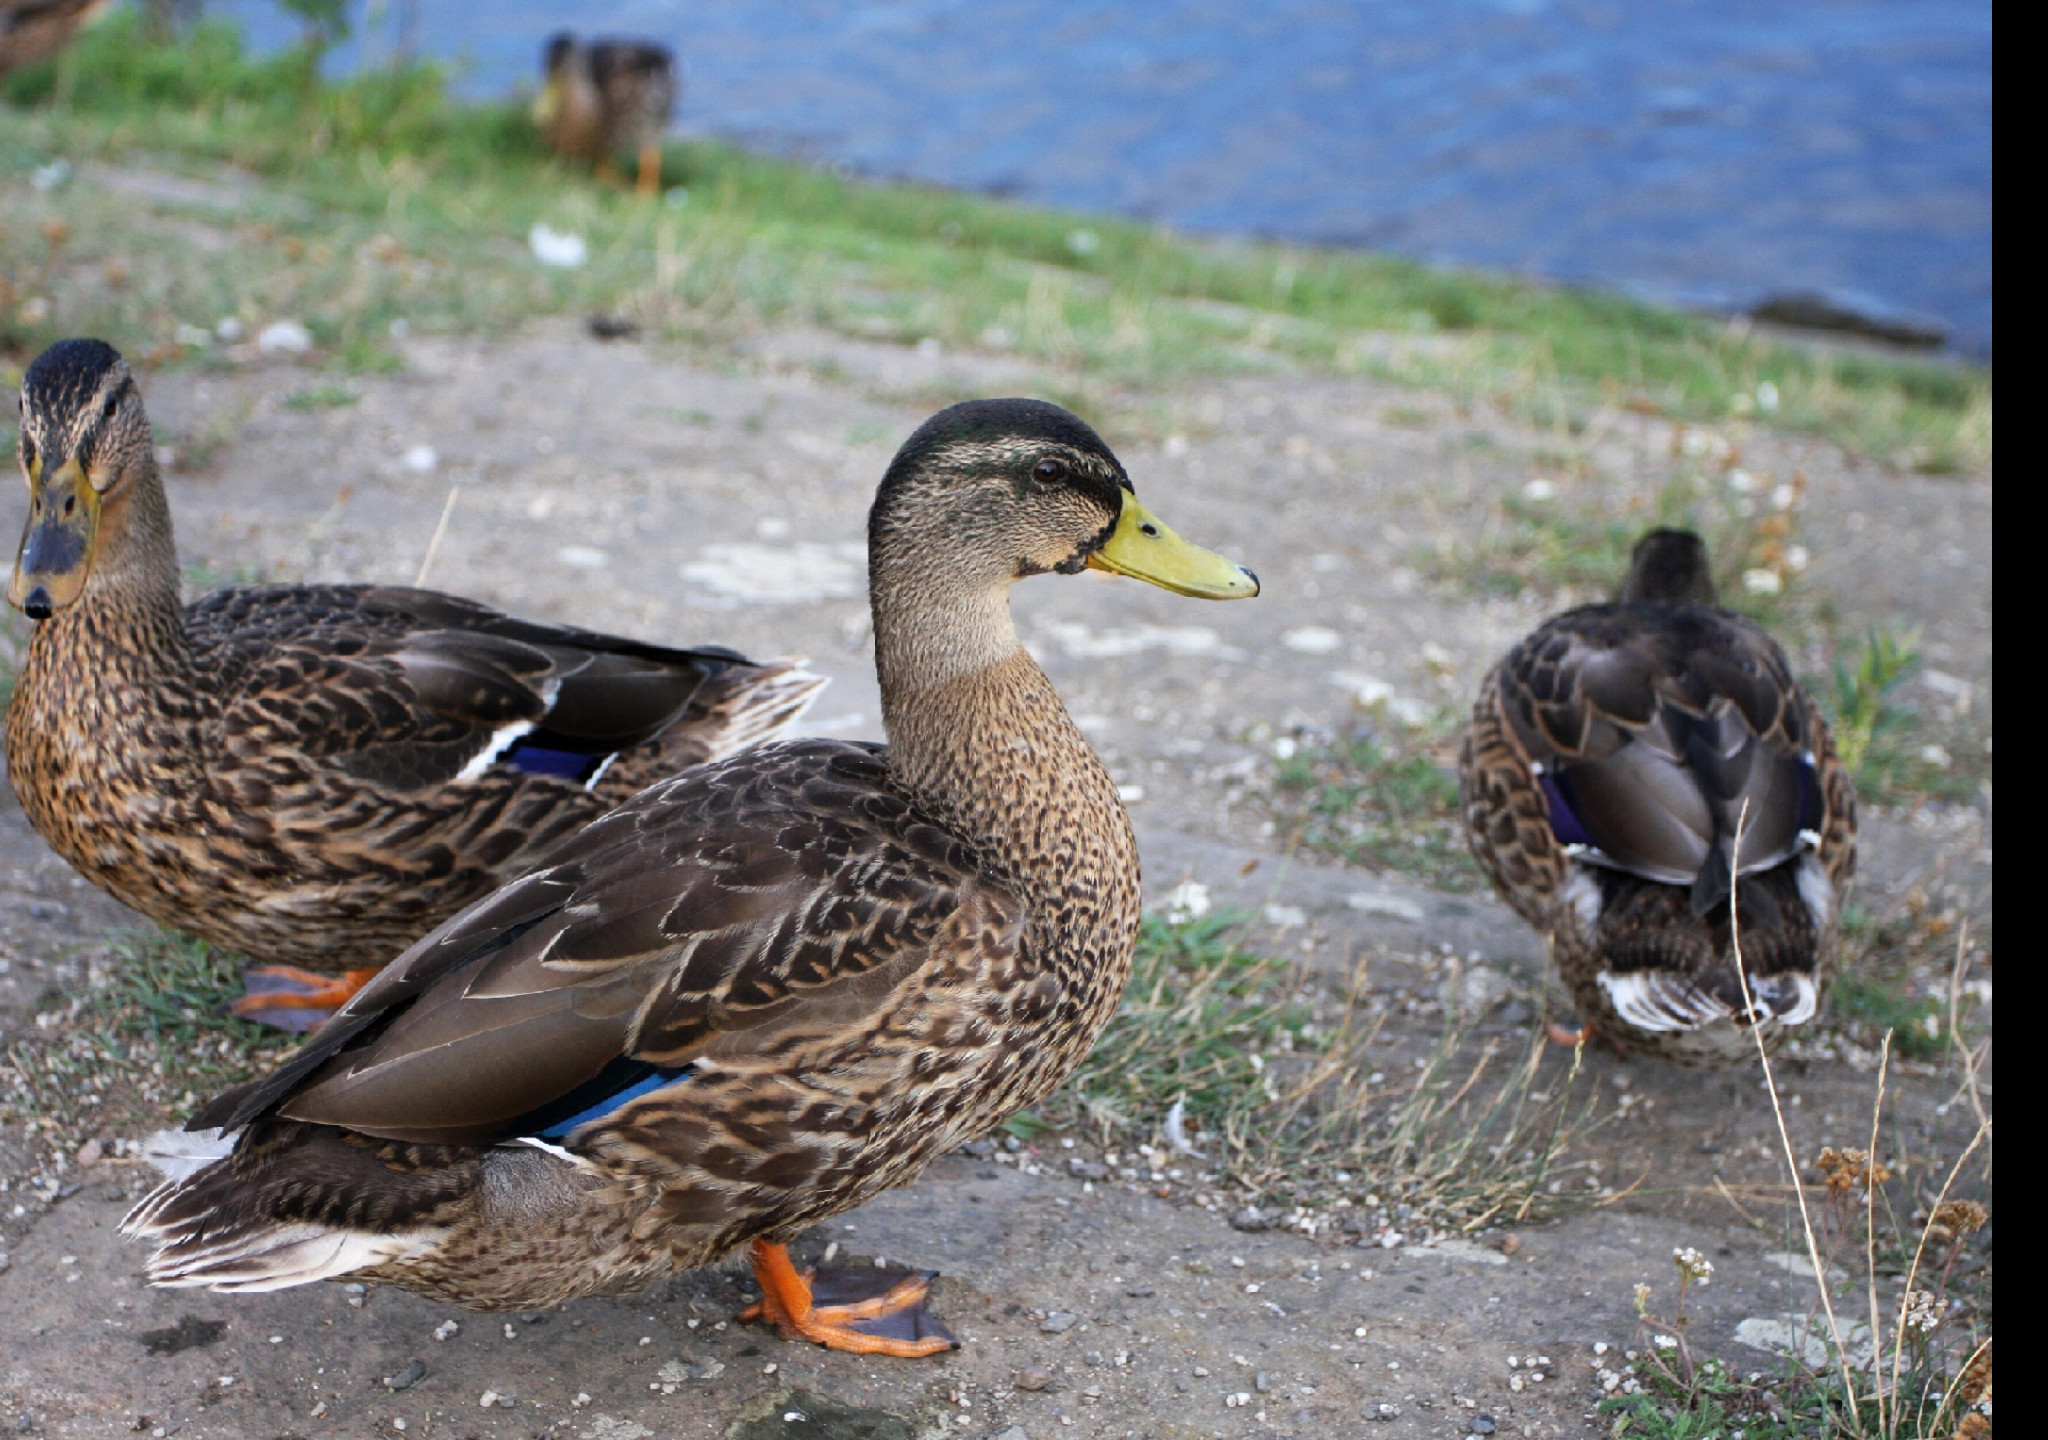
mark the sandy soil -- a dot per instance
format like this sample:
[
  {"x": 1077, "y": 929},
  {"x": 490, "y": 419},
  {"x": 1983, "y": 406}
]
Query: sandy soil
[{"x": 688, "y": 500}]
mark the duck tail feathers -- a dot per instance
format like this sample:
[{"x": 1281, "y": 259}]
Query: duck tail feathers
[
  {"x": 746, "y": 706},
  {"x": 208, "y": 1229},
  {"x": 1660, "y": 1001}
]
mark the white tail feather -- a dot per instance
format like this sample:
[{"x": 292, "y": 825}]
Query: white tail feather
[
  {"x": 181, "y": 1154},
  {"x": 1661, "y": 1002},
  {"x": 279, "y": 1257}
]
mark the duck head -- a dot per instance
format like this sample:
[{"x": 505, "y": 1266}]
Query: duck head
[
  {"x": 554, "y": 68},
  {"x": 86, "y": 452},
  {"x": 1004, "y": 489},
  {"x": 1669, "y": 565}
]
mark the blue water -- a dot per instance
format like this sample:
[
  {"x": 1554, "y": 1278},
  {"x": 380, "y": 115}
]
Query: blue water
[{"x": 1704, "y": 153}]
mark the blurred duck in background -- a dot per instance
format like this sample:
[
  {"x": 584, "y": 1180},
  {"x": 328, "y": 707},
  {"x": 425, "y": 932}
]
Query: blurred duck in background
[
  {"x": 32, "y": 30},
  {"x": 1632, "y": 768},
  {"x": 604, "y": 97}
]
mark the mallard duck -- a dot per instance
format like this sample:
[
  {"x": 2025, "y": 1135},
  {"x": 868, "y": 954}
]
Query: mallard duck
[
  {"x": 753, "y": 996},
  {"x": 604, "y": 97},
  {"x": 1612, "y": 758},
  {"x": 32, "y": 30},
  {"x": 312, "y": 776}
]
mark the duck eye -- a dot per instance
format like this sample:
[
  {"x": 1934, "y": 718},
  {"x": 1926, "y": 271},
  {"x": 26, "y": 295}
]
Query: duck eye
[{"x": 1047, "y": 471}]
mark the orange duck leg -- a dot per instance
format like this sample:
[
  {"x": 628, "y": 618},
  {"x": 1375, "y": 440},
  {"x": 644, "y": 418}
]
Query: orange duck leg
[
  {"x": 870, "y": 1312},
  {"x": 285, "y": 997}
]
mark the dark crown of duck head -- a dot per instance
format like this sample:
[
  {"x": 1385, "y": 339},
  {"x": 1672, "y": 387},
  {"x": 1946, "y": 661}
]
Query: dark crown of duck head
[
  {"x": 1669, "y": 565},
  {"x": 68, "y": 391},
  {"x": 1032, "y": 442},
  {"x": 556, "y": 51}
]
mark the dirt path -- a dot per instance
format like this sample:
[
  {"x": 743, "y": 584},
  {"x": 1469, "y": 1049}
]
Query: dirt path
[{"x": 685, "y": 500}]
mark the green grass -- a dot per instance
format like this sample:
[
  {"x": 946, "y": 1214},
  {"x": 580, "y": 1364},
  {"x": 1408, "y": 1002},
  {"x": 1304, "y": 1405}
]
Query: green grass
[
  {"x": 146, "y": 1039},
  {"x": 321, "y": 397},
  {"x": 1574, "y": 546},
  {"x": 1286, "y": 1088},
  {"x": 353, "y": 204},
  {"x": 1896, "y": 750},
  {"x": 1783, "y": 1405},
  {"x": 1376, "y": 801}
]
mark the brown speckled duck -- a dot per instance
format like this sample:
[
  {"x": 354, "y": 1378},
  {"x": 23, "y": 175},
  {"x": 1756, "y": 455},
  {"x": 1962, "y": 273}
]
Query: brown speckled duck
[
  {"x": 312, "y": 776},
  {"x": 1608, "y": 765},
  {"x": 32, "y": 30},
  {"x": 603, "y": 97},
  {"x": 754, "y": 996}
]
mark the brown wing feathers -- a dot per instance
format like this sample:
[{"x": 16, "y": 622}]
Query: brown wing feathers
[
  {"x": 365, "y": 673},
  {"x": 1659, "y": 728},
  {"x": 646, "y": 941}
]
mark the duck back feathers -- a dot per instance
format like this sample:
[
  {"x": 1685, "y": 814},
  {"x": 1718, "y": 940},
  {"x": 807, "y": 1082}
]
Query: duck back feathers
[{"x": 1628, "y": 767}]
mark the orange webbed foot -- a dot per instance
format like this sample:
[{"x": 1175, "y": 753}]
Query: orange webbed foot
[
  {"x": 285, "y": 997},
  {"x": 1567, "y": 1035},
  {"x": 863, "y": 1312}
]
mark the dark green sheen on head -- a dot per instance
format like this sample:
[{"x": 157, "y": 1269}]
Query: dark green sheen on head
[{"x": 1671, "y": 566}]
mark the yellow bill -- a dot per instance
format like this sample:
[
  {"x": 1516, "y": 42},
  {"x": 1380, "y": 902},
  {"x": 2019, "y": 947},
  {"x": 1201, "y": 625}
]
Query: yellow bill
[
  {"x": 57, "y": 547},
  {"x": 1144, "y": 549}
]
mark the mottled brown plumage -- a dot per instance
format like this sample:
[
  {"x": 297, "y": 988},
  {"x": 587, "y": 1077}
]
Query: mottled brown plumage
[
  {"x": 604, "y": 96},
  {"x": 32, "y": 30},
  {"x": 310, "y": 775},
  {"x": 1612, "y": 757},
  {"x": 829, "y": 963}
]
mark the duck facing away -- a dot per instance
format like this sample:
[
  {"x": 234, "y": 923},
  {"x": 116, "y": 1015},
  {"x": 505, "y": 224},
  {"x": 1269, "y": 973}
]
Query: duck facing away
[
  {"x": 603, "y": 97},
  {"x": 1611, "y": 759},
  {"x": 753, "y": 996},
  {"x": 312, "y": 776}
]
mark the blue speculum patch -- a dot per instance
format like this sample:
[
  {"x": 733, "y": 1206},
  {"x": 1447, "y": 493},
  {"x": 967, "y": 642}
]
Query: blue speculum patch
[
  {"x": 540, "y": 760},
  {"x": 1564, "y": 824},
  {"x": 609, "y": 1103}
]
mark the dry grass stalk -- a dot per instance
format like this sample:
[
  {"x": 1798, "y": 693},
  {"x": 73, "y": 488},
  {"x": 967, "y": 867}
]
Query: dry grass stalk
[{"x": 1785, "y": 1135}]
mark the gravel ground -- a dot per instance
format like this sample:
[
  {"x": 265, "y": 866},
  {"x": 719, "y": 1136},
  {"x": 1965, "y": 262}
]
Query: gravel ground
[{"x": 693, "y": 499}]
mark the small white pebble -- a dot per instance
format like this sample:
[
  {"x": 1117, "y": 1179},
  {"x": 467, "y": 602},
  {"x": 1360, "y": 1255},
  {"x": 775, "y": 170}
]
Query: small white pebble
[
  {"x": 486, "y": 1400},
  {"x": 581, "y": 1400},
  {"x": 769, "y": 1368},
  {"x": 646, "y": 1339},
  {"x": 397, "y": 1424},
  {"x": 511, "y": 1334},
  {"x": 446, "y": 1328},
  {"x": 277, "y": 1339}
]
